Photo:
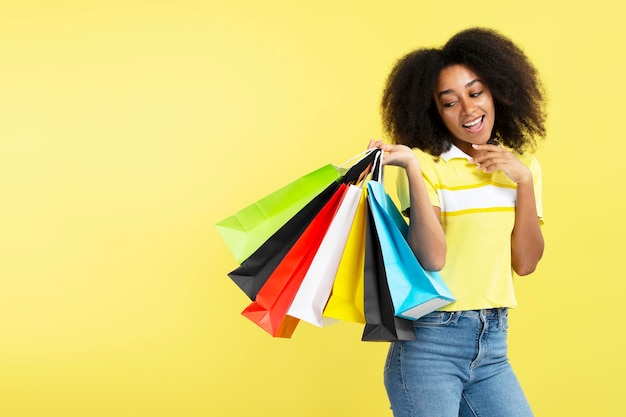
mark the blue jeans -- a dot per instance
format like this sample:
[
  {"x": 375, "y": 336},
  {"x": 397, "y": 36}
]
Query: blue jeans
[{"x": 458, "y": 366}]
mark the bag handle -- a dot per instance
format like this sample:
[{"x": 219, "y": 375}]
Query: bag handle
[
  {"x": 359, "y": 170},
  {"x": 373, "y": 171},
  {"x": 377, "y": 171},
  {"x": 358, "y": 156}
]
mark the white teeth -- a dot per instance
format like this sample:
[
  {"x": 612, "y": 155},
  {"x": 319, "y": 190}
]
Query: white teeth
[{"x": 474, "y": 123}]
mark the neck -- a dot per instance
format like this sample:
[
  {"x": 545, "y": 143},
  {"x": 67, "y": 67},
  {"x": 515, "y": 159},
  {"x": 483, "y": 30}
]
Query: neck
[{"x": 465, "y": 147}]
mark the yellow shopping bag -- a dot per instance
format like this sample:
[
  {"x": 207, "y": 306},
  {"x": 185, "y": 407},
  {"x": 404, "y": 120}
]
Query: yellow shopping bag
[{"x": 346, "y": 300}]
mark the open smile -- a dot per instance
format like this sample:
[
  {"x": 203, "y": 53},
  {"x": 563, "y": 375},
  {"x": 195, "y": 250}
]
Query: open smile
[{"x": 475, "y": 125}]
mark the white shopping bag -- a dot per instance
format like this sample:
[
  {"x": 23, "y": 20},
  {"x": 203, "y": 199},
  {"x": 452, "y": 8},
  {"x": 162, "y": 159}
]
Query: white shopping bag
[{"x": 317, "y": 284}]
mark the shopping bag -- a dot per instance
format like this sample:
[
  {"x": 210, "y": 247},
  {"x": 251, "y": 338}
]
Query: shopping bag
[
  {"x": 414, "y": 291},
  {"x": 253, "y": 272},
  {"x": 381, "y": 323},
  {"x": 316, "y": 286},
  {"x": 246, "y": 230},
  {"x": 269, "y": 309},
  {"x": 346, "y": 298}
]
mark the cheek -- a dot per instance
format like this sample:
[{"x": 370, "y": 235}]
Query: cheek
[
  {"x": 449, "y": 119},
  {"x": 489, "y": 103}
]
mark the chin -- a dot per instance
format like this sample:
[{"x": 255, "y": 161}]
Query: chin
[
  {"x": 474, "y": 141},
  {"x": 483, "y": 141}
]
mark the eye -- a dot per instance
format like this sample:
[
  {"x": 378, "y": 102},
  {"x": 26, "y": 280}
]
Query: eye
[
  {"x": 449, "y": 104},
  {"x": 474, "y": 95}
]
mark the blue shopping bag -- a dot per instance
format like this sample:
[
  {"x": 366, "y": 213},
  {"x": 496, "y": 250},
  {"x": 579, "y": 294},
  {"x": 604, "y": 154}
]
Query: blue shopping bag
[{"x": 414, "y": 291}]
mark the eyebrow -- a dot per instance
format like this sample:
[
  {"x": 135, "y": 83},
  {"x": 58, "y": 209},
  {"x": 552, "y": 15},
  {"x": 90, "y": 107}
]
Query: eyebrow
[{"x": 469, "y": 84}]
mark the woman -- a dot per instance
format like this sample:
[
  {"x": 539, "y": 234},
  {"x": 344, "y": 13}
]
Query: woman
[{"x": 462, "y": 118}]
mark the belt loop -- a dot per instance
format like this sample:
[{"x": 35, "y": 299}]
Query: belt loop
[
  {"x": 456, "y": 315},
  {"x": 501, "y": 318}
]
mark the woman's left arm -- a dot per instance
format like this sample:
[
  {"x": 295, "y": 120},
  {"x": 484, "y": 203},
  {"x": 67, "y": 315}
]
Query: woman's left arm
[{"x": 526, "y": 240}]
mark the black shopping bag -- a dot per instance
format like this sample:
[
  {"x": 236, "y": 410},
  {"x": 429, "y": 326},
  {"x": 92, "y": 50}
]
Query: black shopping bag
[{"x": 381, "y": 324}]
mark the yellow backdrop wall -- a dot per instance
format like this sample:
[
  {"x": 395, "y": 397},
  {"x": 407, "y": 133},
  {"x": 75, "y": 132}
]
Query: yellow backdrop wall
[{"x": 129, "y": 128}]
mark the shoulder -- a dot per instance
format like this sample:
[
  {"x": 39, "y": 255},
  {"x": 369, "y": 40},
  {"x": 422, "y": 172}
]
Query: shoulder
[
  {"x": 428, "y": 162},
  {"x": 424, "y": 157}
]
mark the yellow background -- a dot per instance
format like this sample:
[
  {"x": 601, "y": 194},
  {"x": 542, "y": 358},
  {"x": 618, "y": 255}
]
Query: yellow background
[{"x": 129, "y": 128}]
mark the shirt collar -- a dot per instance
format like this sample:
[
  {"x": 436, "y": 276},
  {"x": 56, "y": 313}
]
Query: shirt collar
[{"x": 455, "y": 152}]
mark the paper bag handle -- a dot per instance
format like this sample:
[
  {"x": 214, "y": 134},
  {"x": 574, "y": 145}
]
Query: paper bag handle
[{"x": 359, "y": 170}]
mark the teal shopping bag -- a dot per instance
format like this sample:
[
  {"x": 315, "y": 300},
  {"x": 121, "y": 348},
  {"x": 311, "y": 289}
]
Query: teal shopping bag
[{"x": 414, "y": 291}]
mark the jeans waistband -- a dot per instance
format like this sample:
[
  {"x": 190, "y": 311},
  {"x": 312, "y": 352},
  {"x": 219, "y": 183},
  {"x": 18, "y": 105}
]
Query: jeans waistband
[{"x": 487, "y": 313}]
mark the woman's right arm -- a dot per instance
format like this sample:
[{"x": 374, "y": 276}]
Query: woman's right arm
[{"x": 425, "y": 235}]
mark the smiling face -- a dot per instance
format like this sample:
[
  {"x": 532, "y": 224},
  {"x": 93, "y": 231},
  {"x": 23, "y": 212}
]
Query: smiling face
[{"x": 465, "y": 106}]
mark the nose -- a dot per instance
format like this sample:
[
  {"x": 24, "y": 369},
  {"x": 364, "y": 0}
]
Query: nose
[{"x": 467, "y": 105}]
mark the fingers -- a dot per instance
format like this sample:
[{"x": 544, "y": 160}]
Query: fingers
[
  {"x": 486, "y": 146},
  {"x": 492, "y": 166},
  {"x": 489, "y": 149},
  {"x": 497, "y": 162},
  {"x": 494, "y": 158},
  {"x": 387, "y": 147},
  {"x": 376, "y": 144},
  {"x": 488, "y": 152},
  {"x": 394, "y": 154}
]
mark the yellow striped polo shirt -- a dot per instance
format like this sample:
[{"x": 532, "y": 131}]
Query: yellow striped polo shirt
[{"x": 477, "y": 216}]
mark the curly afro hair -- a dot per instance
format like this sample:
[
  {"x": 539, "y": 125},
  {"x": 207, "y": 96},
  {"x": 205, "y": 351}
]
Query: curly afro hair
[{"x": 409, "y": 112}]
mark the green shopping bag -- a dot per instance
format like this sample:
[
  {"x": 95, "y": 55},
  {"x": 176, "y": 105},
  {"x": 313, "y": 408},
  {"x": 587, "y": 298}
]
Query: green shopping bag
[{"x": 245, "y": 231}]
